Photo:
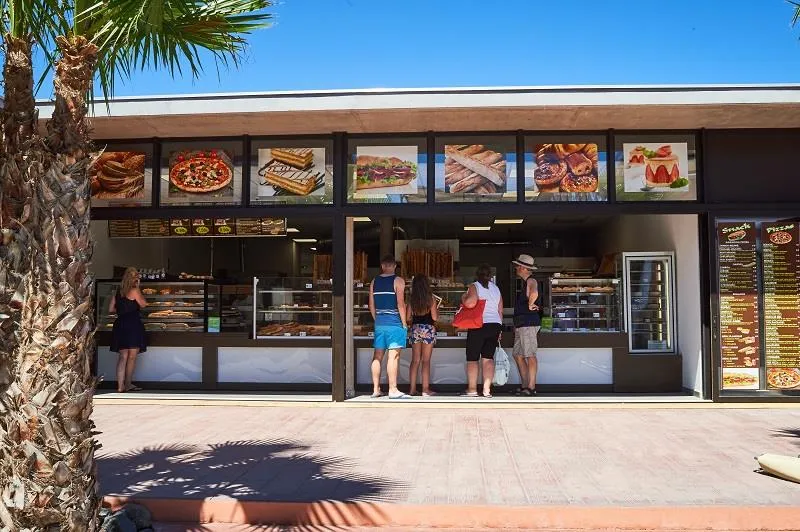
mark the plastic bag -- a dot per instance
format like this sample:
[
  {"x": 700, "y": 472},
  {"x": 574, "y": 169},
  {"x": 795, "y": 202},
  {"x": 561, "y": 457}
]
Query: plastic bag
[{"x": 502, "y": 367}]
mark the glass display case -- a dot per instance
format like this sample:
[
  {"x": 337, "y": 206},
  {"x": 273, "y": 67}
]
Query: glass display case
[
  {"x": 176, "y": 306},
  {"x": 449, "y": 291},
  {"x": 585, "y": 304},
  {"x": 230, "y": 308},
  {"x": 291, "y": 306},
  {"x": 650, "y": 302}
]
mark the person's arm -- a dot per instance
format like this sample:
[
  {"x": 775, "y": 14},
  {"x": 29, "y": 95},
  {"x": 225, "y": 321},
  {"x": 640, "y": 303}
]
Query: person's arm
[
  {"x": 470, "y": 298},
  {"x": 400, "y": 292},
  {"x": 434, "y": 311},
  {"x": 112, "y": 305},
  {"x": 500, "y": 308},
  {"x": 372, "y": 300},
  {"x": 408, "y": 312},
  {"x": 533, "y": 293},
  {"x": 139, "y": 298}
]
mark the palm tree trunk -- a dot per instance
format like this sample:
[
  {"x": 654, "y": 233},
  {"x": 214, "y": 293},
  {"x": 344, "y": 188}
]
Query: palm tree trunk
[
  {"x": 54, "y": 483},
  {"x": 17, "y": 172}
]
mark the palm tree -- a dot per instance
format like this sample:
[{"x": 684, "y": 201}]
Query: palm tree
[{"x": 51, "y": 435}]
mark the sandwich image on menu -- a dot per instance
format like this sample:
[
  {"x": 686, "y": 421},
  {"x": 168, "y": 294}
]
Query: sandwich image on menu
[
  {"x": 474, "y": 168},
  {"x": 656, "y": 167},
  {"x": 384, "y": 170},
  {"x": 291, "y": 172}
]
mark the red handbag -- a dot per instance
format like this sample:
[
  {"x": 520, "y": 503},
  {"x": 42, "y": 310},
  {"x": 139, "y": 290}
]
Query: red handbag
[{"x": 470, "y": 318}]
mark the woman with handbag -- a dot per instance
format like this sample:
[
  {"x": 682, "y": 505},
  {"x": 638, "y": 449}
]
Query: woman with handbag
[{"x": 482, "y": 341}]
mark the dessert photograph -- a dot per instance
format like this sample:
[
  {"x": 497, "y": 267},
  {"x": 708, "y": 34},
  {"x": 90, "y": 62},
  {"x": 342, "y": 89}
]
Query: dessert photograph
[
  {"x": 566, "y": 168},
  {"x": 200, "y": 172},
  {"x": 474, "y": 169},
  {"x": 384, "y": 170},
  {"x": 291, "y": 172},
  {"x": 656, "y": 167},
  {"x": 118, "y": 175}
]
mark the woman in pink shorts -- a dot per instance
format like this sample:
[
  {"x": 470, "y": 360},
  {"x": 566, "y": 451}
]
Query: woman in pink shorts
[{"x": 422, "y": 312}]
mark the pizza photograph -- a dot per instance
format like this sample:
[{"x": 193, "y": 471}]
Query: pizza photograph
[
  {"x": 201, "y": 172},
  {"x": 780, "y": 237},
  {"x": 783, "y": 378}
]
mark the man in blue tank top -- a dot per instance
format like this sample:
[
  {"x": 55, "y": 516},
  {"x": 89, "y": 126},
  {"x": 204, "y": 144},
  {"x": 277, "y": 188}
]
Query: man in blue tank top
[{"x": 386, "y": 299}]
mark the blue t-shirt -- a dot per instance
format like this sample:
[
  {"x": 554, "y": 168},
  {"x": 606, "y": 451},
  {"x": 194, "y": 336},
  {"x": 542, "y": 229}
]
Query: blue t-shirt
[{"x": 386, "y": 311}]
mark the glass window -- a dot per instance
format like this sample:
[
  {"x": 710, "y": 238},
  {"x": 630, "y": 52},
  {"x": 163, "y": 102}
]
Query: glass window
[
  {"x": 122, "y": 176},
  {"x": 472, "y": 169},
  {"x": 291, "y": 172},
  {"x": 201, "y": 173},
  {"x": 559, "y": 171},
  {"x": 656, "y": 168},
  {"x": 387, "y": 170}
]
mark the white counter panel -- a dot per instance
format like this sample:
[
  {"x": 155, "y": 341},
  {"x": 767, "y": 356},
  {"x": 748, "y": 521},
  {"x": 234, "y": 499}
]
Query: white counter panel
[
  {"x": 275, "y": 364},
  {"x": 556, "y": 366},
  {"x": 157, "y": 364}
]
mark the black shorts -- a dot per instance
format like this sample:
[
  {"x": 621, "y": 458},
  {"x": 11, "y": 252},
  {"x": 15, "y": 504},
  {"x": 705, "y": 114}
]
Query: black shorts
[{"x": 482, "y": 342}]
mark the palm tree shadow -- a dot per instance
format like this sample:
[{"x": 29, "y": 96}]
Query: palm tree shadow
[
  {"x": 266, "y": 470},
  {"x": 787, "y": 433}
]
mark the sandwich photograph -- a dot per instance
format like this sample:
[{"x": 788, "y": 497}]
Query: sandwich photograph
[
  {"x": 291, "y": 172},
  {"x": 385, "y": 170}
]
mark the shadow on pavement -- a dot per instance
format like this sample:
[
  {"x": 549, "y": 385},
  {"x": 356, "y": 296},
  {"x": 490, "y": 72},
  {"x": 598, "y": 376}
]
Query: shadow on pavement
[
  {"x": 281, "y": 471},
  {"x": 787, "y": 433}
]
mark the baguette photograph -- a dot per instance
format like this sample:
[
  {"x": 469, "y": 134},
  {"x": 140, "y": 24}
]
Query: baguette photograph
[
  {"x": 383, "y": 170},
  {"x": 475, "y": 169}
]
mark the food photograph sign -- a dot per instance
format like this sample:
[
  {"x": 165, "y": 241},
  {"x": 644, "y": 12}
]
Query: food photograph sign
[
  {"x": 382, "y": 171},
  {"x": 292, "y": 175},
  {"x": 475, "y": 169},
  {"x": 566, "y": 172},
  {"x": 206, "y": 175},
  {"x": 656, "y": 171},
  {"x": 120, "y": 179}
]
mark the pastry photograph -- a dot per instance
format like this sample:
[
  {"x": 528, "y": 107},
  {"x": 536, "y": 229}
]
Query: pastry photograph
[
  {"x": 291, "y": 172},
  {"x": 475, "y": 169},
  {"x": 566, "y": 168}
]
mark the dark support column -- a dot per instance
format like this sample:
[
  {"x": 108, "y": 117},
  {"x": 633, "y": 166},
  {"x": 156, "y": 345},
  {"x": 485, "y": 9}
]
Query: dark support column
[
  {"x": 387, "y": 235},
  {"x": 339, "y": 331}
]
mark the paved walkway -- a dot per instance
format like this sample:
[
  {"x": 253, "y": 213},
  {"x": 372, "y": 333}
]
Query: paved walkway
[{"x": 579, "y": 456}]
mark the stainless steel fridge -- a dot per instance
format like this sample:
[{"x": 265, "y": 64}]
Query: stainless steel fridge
[{"x": 650, "y": 309}]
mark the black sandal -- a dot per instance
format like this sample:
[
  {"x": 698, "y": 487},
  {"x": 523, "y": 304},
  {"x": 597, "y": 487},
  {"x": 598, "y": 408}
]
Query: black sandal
[
  {"x": 526, "y": 392},
  {"x": 518, "y": 391}
]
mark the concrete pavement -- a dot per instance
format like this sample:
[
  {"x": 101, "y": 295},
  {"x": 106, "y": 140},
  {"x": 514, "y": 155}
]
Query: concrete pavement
[{"x": 327, "y": 465}]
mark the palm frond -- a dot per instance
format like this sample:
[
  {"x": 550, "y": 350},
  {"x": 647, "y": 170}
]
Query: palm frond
[
  {"x": 171, "y": 35},
  {"x": 796, "y": 16}
]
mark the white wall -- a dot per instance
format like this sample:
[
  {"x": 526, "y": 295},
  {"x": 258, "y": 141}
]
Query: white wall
[{"x": 678, "y": 233}]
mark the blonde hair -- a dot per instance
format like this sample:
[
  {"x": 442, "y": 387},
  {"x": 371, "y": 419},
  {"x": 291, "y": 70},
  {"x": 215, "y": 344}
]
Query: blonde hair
[{"x": 128, "y": 281}]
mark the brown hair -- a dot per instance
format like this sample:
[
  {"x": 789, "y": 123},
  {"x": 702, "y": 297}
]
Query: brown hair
[
  {"x": 484, "y": 274},
  {"x": 128, "y": 281},
  {"x": 421, "y": 297},
  {"x": 388, "y": 260}
]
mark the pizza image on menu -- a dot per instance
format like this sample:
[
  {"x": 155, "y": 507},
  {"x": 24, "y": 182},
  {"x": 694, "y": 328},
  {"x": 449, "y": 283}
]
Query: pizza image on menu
[
  {"x": 780, "y": 237},
  {"x": 201, "y": 171},
  {"x": 783, "y": 378},
  {"x": 387, "y": 169}
]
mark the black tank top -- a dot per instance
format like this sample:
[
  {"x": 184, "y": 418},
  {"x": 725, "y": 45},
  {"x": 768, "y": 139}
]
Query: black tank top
[
  {"x": 425, "y": 319},
  {"x": 523, "y": 315}
]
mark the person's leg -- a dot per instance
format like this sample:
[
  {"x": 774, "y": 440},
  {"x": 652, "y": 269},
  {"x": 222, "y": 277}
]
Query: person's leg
[
  {"x": 130, "y": 367},
  {"x": 416, "y": 354},
  {"x": 519, "y": 359},
  {"x": 427, "y": 351},
  {"x": 121, "y": 363},
  {"x": 377, "y": 360},
  {"x": 533, "y": 367},
  {"x": 488, "y": 375},
  {"x": 392, "y": 366},
  {"x": 531, "y": 347},
  {"x": 472, "y": 377},
  {"x": 473, "y": 355}
]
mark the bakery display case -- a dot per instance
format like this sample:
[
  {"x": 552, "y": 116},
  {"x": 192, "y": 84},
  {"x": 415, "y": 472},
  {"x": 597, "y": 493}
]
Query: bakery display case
[
  {"x": 177, "y": 306},
  {"x": 230, "y": 308},
  {"x": 585, "y": 304},
  {"x": 449, "y": 291},
  {"x": 291, "y": 307},
  {"x": 650, "y": 302}
]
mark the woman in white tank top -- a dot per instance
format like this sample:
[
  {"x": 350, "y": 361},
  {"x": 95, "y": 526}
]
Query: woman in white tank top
[{"x": 481, "y": 343}]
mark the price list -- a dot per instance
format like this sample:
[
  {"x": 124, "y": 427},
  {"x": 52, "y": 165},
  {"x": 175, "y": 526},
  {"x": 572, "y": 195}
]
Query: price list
[
  {"x": 738, "y": 304},
  {"x": 781, "y": 255}
]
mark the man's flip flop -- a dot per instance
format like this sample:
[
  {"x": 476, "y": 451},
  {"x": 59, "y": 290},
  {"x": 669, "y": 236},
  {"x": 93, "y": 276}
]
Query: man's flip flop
[
  {"x": 376, "y": 395},
  {"x": 469, "y": 394},
  {"x": 400, "y": 396}
]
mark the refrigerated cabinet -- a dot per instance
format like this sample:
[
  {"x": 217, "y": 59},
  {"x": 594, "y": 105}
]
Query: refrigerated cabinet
[{"x": 650, "y": 302}]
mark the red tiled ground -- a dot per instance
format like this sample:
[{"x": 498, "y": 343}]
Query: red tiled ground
[{"x": 583, "y": 456}]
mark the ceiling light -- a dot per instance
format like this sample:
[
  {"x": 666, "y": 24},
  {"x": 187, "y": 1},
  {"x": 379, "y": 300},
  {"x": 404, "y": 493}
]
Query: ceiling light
[
  {"x": 508, "y": 221},
  {"x": 477, "y": 228},
  {"x": 313, "y": 249},
  {"x": 292, "y": 230},
  {"x": 362, "y": 219},
  {"x": 305, "y": 240}
]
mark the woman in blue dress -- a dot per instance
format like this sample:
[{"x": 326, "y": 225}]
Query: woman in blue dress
[{"x": 127, "y": 336}]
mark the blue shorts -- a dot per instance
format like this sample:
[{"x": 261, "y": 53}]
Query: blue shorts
[{"x": 389, "y": 337}]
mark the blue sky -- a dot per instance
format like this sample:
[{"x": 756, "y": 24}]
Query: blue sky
[{"x": 341, "y": 44}]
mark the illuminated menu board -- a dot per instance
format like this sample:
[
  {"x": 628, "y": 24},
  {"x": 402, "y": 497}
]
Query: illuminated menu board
[
  {"x": 194, "y": 227},
  {"x": 781, "y": 254},
  {"x": 738, "y": 305}
]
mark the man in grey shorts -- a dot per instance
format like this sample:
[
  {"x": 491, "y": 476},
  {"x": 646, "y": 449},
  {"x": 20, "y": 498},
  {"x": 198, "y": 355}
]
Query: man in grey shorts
[{"x": 527, "y": 322}]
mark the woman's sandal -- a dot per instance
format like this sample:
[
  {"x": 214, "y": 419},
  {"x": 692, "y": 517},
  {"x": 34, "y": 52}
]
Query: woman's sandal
[
  {"x": 518, "y": 391},
  {"x": 135, "y": 388},
  {"x": 526, "y": 392}
]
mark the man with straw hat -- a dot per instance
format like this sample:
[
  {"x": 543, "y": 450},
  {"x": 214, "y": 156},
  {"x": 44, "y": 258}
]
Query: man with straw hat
[{"x": 527, "y": 322}]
